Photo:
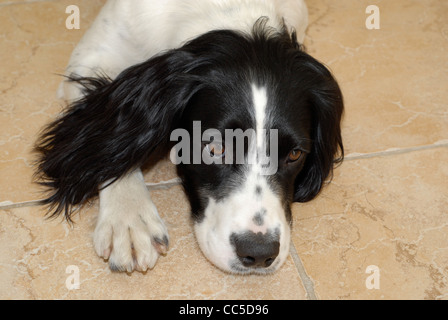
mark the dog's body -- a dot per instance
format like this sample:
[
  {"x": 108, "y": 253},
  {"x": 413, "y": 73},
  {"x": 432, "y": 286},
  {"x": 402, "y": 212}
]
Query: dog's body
[
  {"x": 230, "y": 64},
  {"x": 126, "y": 33}
]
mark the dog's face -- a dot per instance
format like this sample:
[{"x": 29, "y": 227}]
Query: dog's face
[
  {"x": 263, "y": 124},
  {"x": 275, "y": 143},
  {"x": 241, "y": 205}
]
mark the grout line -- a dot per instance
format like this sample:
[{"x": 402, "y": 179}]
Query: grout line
[
  {"x": 11, "y": 205},
  {"x": 394, "y": 151},
  {"x": 306, "y": 280},
  {"x": 164, "y": 185}
]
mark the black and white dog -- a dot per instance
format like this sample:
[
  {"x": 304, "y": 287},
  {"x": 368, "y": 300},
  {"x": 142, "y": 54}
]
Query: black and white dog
[{"x": 147, "y": 68}]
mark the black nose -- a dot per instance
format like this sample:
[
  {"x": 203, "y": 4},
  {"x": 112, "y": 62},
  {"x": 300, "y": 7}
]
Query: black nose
[{"x": 256, "y": 250}]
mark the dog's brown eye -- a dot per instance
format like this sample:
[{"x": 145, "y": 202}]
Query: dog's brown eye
[
  {"x": 294, "y": 155},
  {"x": 216, "y": 149}
]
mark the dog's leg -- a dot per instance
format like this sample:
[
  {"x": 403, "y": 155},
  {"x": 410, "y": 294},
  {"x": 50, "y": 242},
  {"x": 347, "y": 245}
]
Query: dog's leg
[{"x": 129, "y": 232}]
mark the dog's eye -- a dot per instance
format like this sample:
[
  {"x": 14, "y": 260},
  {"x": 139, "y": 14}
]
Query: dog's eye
[
  {"x": 216, "y": 149},
  {"x": 294, "y": 155}
]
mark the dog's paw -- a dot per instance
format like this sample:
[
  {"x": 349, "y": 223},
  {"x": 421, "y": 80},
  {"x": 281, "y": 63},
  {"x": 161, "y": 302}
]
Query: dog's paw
[{"x": 131, "y": 240}]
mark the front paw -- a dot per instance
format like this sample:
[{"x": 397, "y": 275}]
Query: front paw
[{"x": 131, "y": 241}]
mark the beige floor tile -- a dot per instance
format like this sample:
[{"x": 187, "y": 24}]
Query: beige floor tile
[
  {"x": 35, "y": 254},
  {"x": 35, "y": 47},
  {"x": 390, "y": 212},
  {"x": 393, "y": 79}
]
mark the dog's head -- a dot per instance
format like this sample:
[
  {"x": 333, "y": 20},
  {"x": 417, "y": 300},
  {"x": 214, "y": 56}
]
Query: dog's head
[
  {"x": 268, "y": 120},
  {"x": 262, "y": 119}
]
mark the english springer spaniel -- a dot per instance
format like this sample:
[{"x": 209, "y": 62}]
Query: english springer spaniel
[{"x": 218, "y": 71}]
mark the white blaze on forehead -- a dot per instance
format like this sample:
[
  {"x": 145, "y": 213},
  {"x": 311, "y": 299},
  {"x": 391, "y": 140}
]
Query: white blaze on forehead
[
  {"x": 260, "y": 103},
  {"x": 258, "y": 157}
]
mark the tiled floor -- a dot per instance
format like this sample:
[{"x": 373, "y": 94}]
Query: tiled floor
[{"x": 386, "y": 207}]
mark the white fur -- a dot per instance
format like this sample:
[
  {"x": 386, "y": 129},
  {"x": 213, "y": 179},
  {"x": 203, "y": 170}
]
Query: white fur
[
  {"x": 127, "y": 32},
  {"x": 128, "y": 224},
  {"x": 260, "y": 98}
]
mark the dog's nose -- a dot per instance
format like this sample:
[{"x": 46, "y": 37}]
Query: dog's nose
[{"x": 256, "y": 250}]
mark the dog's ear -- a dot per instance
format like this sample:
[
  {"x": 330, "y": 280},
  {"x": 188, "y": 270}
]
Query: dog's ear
[
  {"x": 114, "y": 128},
  {"x": 326, "y": 101}
]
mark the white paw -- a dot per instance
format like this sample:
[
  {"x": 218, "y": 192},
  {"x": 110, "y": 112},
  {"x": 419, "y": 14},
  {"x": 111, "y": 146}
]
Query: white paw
[{"x": 131, "y": 237}]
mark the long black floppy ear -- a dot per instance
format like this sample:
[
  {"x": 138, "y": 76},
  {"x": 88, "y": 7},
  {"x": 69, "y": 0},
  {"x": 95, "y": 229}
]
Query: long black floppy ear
[
  {"x": 114, "y": 128},
  {"x": 327, "y": 106}
]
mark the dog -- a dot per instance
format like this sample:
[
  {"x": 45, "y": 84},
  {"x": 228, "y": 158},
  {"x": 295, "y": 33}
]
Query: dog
[{"x": 147, "y": 68}]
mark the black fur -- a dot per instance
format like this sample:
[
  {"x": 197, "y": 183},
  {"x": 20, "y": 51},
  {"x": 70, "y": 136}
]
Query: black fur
[
  {"x": 327, "y": 108},
  {"x": 119, "y": 123},
  {"x": 114, "y": 128}
]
